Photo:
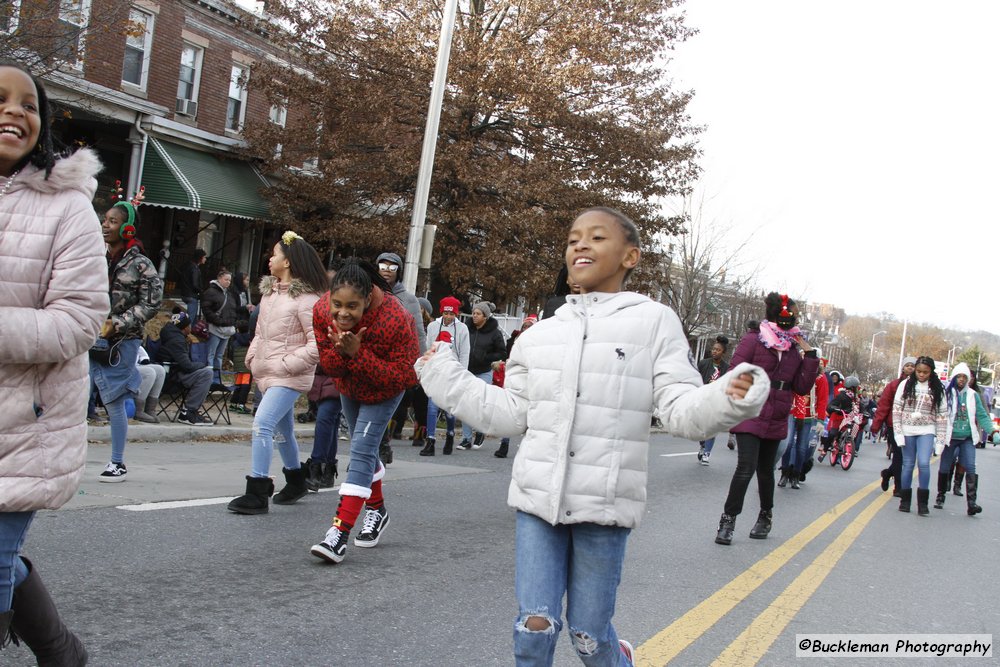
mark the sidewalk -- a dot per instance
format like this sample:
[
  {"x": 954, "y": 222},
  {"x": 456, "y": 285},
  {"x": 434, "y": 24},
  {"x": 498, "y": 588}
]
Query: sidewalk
[{"x": 167, "y": 431}]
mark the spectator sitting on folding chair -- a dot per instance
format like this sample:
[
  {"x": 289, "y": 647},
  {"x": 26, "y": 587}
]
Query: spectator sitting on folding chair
[
  {"x": 194, "y": 377},
  {"x": 153, "y": 376}
]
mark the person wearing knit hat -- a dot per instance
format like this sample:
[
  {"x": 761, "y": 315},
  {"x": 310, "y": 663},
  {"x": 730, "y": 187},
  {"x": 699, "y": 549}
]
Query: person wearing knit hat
[
  {"x": 448, "y": 329},
  {"x": 967, "y": 416},
  {"x": 390, "y": 267},
  {"x": 486, "y": 345},
  {"x": 175, "y": 352},
  {"x": 883, "y": 417}
]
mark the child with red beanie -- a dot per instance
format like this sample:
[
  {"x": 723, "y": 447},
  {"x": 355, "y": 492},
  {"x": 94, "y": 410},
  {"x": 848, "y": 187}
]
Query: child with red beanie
[{"x": 449, "y": 329}]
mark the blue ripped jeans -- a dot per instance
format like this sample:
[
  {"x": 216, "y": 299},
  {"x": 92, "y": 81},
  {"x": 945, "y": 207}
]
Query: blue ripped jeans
[
  {"x": 582, "y": 561},
  {"x": 13, "y": 571},
  {"x": 274, "y": 413},
  {"x": 366, "y": 422}
]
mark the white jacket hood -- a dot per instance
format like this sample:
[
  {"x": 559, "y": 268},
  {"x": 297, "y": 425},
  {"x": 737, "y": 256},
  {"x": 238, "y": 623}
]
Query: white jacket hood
[{"x": 961, "y": 368}]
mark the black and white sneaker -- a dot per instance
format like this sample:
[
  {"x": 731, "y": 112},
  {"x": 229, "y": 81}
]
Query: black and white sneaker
[
  {"x": 375, "y": 522},
  {"x": 333, "y": 548},
  {"x": 477, "y": 440},
  {"x": 113, "y": 472},
  {"x": 193, "y": 419},
  {"x": 701, "y": 452}
]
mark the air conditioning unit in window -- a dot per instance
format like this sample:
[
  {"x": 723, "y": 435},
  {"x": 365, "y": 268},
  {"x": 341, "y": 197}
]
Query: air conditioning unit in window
[{"x": 187, "y": 107}]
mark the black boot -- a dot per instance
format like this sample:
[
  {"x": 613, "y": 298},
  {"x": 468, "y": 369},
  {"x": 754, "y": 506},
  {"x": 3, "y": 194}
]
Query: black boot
[
  {"x": 501, "y": 453},
  {"x": 971, "y": 493},
  {"x": 254, "y": 501},
  {"x": 449, "y": 443},
  {"x": 905, "y": 495},
  {"x": 314, "y": 472},
  {"x": 727, "y": 524},
  {"x": 783, "y": 480},
  {"x": 418, "y": 436},
  {"x": 385, "y": 453},
  {"x": 943, "y": 479},
  {"x": 762, "y": 527},
  {"x": 35, "y": 620},
  {"x": 794, "y": 476},
  {"x": 428, "y": 449},
  {"x": 959, "y": 476},
  {"x": 327, "y": 475},
  {"x": 5, "y": 619},
  {"x": 923, "y": 498},
  {"x": 295, "y": 487},
  {"x": 886, "y": 476}
]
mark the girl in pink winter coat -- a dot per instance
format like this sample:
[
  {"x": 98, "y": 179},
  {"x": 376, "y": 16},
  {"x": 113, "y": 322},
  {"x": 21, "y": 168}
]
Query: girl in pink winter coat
[
  {"x": 53, "y": 302},
  {"x": 282, "y": 358}
]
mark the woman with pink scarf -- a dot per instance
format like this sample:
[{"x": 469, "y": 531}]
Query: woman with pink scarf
[{"x": 791, "y": 364}]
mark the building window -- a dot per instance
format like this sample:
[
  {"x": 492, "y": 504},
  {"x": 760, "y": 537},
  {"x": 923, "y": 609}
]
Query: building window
[
  {"x": 138, "y": 43},
  {"x": 237, "y": 106},
  {"x": 278, "y": 114},
  {"x": 9, "y": 12},
  {"x": 74, "y": 15},
  {"x": 189, "y": 80}
]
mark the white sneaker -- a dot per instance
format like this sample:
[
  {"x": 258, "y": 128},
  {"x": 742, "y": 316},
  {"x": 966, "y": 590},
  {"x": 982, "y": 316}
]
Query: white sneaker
[
  {"x": 705, "y": 457},
  {"x": 113, "y": 472}
]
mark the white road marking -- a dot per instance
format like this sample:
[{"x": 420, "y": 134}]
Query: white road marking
[
  {"x": 680, "y": 454},
  {"x": 176, "y": 504}
]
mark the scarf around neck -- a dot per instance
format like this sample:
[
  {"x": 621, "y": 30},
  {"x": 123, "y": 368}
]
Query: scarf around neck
[{"x": 774, "y": 337}]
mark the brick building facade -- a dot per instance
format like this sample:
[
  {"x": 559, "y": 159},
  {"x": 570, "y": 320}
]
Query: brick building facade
[{"x": 162, "y": 92}]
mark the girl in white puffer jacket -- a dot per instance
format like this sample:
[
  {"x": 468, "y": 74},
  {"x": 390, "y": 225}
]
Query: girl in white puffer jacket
[{"x": 582, "y": 386}]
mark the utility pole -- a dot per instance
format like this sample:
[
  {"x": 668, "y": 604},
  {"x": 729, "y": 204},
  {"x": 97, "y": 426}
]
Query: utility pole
[{"x": 415, "y": 242}]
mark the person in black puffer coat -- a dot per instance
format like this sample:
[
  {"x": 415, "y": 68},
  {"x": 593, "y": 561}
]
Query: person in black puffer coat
[
  {"x": 486, "y": 345},
  {"x": 221, "y": 310}
]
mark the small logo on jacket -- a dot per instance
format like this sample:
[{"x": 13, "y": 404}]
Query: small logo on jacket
[{"x": 620, "y": 352}]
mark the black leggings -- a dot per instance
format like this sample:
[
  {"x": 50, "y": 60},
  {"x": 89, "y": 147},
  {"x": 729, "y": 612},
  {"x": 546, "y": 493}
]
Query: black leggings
[
  {"x": 753, "y": 455},
  {"x": 896, "y": 467}
]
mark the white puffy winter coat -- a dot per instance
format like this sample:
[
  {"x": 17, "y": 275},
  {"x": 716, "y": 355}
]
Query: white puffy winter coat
[{"x": 582, "y": 386}]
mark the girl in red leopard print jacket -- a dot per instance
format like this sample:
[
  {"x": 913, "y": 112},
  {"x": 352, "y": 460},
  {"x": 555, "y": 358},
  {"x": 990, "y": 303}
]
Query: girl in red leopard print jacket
[{"x": 368, "y": 346}]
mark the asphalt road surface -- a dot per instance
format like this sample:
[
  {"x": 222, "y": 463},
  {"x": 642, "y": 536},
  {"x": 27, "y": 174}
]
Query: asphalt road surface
[{"x": 155, "y": 571}]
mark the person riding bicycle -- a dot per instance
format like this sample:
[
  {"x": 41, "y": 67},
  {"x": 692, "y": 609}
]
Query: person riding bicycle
[{"x": 841, "y": 405}]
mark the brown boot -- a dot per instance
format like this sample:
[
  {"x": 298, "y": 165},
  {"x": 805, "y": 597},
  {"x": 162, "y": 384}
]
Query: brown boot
[{"x": 35, "y": 620}]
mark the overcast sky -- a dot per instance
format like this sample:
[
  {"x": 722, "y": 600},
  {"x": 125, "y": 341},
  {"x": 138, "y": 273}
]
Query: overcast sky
[{"x": 863, "y": 139}]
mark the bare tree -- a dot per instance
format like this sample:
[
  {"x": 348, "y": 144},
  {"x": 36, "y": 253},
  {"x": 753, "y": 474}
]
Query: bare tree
[
  {"x": 47, "y": 34},
  {"x": 707, "y": 276}
]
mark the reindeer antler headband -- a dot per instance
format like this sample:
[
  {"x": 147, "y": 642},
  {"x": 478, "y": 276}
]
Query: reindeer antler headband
[{"x": 118, "y": 197}]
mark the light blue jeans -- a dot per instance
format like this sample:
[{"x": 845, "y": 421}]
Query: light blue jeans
[
  {"x": 274, "y": 413},
  {"x": 963, "y": 450},
  {"x": 366, "y": 422},
  {"x": 216, "y": 350},
  {"x": 582, "y": 561},
  {"x": 432, "y": 419},
  {"x": 486, "y": 377},
  {"x": 708, "y": 444},
  {"x": 917, "y": 450},
  {"x": 13, "y": 571}
]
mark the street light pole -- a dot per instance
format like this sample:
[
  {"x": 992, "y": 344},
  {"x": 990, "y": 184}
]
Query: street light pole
[
  {"x": 872, "y": 353},
  {"x": 902, "y": 349},
  {"x": 430, "y": 143}
]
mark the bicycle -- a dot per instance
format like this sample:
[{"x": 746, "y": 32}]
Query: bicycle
[{"x": 842, "y": 447}]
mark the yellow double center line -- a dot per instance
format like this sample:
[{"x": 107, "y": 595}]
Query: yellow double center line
[{"x": 748, "y": 648}]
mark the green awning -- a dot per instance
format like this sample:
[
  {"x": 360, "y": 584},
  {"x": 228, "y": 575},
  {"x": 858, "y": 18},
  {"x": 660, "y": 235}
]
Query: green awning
[{"x": 180, "y": 177}]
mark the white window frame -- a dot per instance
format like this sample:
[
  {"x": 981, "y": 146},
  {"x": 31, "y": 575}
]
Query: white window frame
[
  {"x": 15, "y": 14},
  {"x": 147, "y": 48},
  {"x": 76, "y": 13},
  {"x": 199, "y": 56},
  {"x": 233, "y": 80},
  {"x": 279, "y": 113}
]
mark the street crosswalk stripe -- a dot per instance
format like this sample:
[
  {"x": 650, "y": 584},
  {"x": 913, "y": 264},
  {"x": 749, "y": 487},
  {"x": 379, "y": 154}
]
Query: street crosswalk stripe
[
  {"x": 753, "y": 642},
  {"x": 665, "y": 645}
]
